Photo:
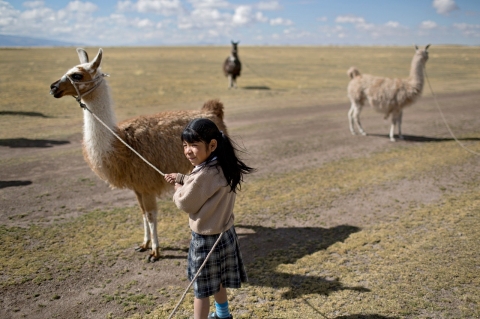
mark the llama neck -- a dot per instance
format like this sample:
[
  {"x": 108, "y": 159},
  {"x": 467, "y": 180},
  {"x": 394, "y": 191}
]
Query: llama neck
[
  {"x": 97, "y": 138},
  {"x": 416, "y": 78}
]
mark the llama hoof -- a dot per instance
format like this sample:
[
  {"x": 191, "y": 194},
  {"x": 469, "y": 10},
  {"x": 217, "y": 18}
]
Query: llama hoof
[
  {"x": 393, "y": 140},
  {"x": 141, "y": 248},
  {"x": 152, "y": 258},
  {"x": 364, "y": 133}
]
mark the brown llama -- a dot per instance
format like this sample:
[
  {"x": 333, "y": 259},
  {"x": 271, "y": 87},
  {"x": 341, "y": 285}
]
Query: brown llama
[
  {"x": 232, "y": 66},
  {"x": 386, "y": 95},
  {"x": 156, "y": 137}
]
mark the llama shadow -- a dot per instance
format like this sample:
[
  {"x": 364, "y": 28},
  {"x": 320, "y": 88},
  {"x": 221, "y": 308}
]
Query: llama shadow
[
  {"x": 259, "y": 87},
  {"x": 182, "y": 252},
  {"x": 26, "y": 142},
  {"x": 425, "y": 139},
  {"x": 267, "y": 248},
  {"x": 5, "y": 184},
  {"x": 33, "y": 114},
  {"x": 354, "y": 316},
  {"x": 358, "y": 316}
]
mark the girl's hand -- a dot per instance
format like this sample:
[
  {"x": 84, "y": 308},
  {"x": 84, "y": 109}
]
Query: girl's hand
[{"x": 170, "y": 178}]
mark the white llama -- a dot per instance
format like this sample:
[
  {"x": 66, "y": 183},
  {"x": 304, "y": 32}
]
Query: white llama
[
  {"x": 155, "y": 137},
  {"x": 386, "y": 95}
]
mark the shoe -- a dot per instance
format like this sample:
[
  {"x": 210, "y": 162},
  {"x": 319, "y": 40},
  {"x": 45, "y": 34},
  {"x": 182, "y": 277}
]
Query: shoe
[{"x": 213, "y": 315}]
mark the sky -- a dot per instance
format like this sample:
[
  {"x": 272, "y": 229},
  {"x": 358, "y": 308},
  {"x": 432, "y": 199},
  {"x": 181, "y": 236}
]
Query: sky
[{"x": 264, "y": 22}]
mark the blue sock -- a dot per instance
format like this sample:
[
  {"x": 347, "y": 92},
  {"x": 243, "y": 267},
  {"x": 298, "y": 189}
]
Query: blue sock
[{"x": 222, "y": 310}]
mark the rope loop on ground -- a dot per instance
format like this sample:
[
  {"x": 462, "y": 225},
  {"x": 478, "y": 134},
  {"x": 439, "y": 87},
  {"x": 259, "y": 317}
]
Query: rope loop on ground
[{"x": 444, "y": 120}]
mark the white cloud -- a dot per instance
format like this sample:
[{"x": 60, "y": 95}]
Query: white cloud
[
  {"x": 281, "y": 21},
  {"x": 79, "y": 6},
  {"x": 427, "y": 25},
  {"x": 162, "y": 7},
  {"x": 33, "y": 4},
  {"x": 349, "y": 19},
  {"x": 322, "y": 19},
  {"x": 469, "y": 30},
  {"x": 269, "y": 5},
  {"x": 444, "y": 6},
  {"x": 209, "y": 3},
  {"x": 392, "y": 24}
]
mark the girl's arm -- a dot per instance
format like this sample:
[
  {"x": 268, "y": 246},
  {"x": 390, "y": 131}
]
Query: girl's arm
[
  {"x": 174, "y": 178},
  {"x": 196, "y": 191},
  {"x": 170, "y": 178}
]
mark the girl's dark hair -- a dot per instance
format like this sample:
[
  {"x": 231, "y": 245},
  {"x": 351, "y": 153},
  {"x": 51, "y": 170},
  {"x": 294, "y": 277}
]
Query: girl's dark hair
[{"x": 204, "y": 130}]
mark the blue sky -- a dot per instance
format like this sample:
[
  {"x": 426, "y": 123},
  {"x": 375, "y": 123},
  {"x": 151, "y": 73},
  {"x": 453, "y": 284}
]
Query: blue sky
[{"x": 264, "y": 22}]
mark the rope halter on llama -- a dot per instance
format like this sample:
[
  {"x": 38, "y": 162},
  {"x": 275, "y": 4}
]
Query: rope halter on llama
[{"x": 97, "y": 80}]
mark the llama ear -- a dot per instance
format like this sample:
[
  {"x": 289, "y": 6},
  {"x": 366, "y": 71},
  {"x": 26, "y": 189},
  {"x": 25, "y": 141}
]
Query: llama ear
[
  {"x": 426, "y": 48},
  {"x": 98, "y": 59},
  {"x": 416, "y": 47},
  {"x": 82, "y": 55}
]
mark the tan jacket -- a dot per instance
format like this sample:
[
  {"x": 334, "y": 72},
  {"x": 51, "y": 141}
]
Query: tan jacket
[{"x": 207, "y": 199}]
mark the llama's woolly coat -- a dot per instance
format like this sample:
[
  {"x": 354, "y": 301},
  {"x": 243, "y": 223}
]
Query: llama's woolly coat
[
  {"x": 157, "y": 139},
  {"x": 386, "y": 95}
]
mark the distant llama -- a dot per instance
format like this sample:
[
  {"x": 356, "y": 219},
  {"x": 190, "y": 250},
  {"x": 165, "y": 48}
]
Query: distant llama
[
  {"x": 232, "y": 66},
  {"x": 155, "y": 137},
  {"x": 386, "y": 95}
]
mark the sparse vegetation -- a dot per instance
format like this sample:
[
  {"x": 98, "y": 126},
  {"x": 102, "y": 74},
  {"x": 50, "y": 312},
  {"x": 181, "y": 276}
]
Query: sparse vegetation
[{"x": 403, "y": 257}]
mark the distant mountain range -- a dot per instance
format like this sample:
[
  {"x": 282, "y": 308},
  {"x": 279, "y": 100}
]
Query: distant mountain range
[{"x": 18, "y": 41}]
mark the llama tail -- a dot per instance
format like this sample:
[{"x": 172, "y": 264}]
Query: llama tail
[
  {"x": 353, "y": 72},
  {"x": 214, "y": 107}
]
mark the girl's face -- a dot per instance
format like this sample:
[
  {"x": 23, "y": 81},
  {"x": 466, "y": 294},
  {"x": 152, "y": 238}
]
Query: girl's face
[{"x": 198, "y": 152}]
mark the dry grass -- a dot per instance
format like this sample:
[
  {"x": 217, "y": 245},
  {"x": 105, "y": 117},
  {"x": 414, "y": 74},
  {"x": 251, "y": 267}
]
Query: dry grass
[
  {"x": 422, "y": 263},
  {"x": 149, "y": 80}
]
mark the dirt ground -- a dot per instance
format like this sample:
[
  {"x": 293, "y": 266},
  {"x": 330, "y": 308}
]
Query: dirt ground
[{"x": 49, "y": 181}]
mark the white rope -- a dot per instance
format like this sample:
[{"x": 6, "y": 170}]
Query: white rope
[
  {"x": 445, "y": 121},
  {"x": 196, "y": 276},
  {"x": 121, "y": 140},
  {"x": 82, "y": 105}
]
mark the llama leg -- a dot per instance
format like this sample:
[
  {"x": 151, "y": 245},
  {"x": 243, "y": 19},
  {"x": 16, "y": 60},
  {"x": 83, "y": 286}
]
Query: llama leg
[
  {"x": 230, "y": 81},
  {"x": 392, "y": 127},
  {"x": 356, "y": 116},
  {"x": 400, "y": 116},
  {"x": 150, "y": 205},
  {"x": 392, "y": 131},
  {"x": 146, "y": 229},
  {"x": 350, "y": 119},
  {"x": 234, "y": 82},
  {"x": 396, "y": 120}
]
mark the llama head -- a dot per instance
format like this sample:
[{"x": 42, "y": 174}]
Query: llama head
[
  {"x": 235, "y": 46},
  {"x": 422, "y": 54},
  {"x": 85, "y": 76}
]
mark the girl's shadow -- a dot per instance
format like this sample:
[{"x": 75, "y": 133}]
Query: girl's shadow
[{"x": 264, "y": 249}]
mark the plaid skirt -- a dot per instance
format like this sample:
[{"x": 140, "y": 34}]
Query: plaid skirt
[{"x": 224, "y": 266}]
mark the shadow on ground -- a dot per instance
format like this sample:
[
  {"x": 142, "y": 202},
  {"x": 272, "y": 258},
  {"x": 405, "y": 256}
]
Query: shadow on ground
[
  {"x": 26, "y": 142},
  {"x": 5, "y": 184},
  {"x": 267, "y": 248},
  {"x": 19, "y": 113},
  {"x": 365, "y": 317},
  {"x": 258, "y": 87},
  {"x": 418, "y": 138},
  {"x": 354, "y": 316}
]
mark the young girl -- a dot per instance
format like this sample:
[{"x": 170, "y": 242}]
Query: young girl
[{"x": 208, "y": 196}]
